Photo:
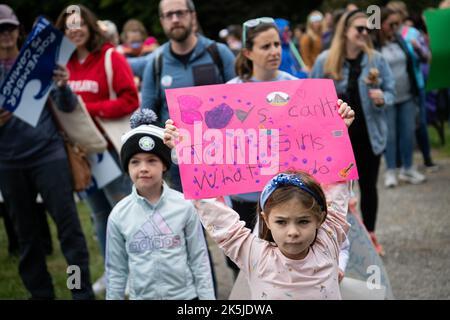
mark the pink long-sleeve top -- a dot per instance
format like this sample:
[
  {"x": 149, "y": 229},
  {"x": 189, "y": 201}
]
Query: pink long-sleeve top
[{"x": 271, "y": 275}]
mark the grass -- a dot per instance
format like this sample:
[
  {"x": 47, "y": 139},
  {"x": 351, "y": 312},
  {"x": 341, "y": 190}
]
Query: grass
[
  {"x": 441, "y": 151},
  {"x": 11, "y": 286}
]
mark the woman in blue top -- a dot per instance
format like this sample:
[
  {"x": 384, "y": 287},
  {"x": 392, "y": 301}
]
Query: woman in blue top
[
  {"x": 362, "y": 78},
  {"x": 258, "y": 60}
]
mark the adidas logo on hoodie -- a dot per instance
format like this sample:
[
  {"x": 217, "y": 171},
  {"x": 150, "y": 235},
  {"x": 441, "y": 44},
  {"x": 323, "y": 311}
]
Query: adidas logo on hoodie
[{"x": 155, "y": 234}]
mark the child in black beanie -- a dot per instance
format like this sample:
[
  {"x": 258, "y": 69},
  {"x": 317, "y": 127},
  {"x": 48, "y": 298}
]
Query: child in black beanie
[{"x": 154, "y": 236}]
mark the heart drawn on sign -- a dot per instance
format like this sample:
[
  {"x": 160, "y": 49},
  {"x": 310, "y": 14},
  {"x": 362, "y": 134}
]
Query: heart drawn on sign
[
  {"x": 242, "y": 114},
  {"x": 188, "y": 108}
]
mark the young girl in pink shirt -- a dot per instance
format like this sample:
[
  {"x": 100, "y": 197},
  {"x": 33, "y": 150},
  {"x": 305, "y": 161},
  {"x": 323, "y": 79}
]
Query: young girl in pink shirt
[{"x": 301, "y": 228}]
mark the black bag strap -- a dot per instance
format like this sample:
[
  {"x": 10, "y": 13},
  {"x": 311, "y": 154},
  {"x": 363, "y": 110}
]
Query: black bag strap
[
  {"x": 157, "y": 69},
  {"x": 213, "y": 51}
]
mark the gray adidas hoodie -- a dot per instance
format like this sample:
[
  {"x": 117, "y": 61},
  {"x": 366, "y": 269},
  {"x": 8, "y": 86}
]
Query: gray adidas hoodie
[{"x": 161, "y": 248}]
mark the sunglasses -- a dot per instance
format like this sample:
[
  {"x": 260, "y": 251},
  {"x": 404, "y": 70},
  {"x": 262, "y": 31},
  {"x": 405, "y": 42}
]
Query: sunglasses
[
  {"x": 7, "y": 27},
  {"x": 253, "y": 23},
  {"x": 361, "y": 29}
]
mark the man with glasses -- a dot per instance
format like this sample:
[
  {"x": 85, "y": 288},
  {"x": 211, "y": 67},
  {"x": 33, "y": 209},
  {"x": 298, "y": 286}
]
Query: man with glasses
[{"x": 187, "y": 59}]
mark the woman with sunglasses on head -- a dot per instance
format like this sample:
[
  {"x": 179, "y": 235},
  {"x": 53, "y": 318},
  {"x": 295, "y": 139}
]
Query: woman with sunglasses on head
[
  {"x": 260, "y": 57},
  {"x": 259, "y": 60},
  {"x": 363, "y": 78},
  {"x": 401, "y": 115}
]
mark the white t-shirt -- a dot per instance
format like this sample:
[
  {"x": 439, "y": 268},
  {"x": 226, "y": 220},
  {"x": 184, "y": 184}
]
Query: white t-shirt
[{"x": 280, "y": 76}]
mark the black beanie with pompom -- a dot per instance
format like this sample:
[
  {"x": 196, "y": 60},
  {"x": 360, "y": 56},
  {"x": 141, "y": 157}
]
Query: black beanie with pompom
[{"x": 145, "y": 136}]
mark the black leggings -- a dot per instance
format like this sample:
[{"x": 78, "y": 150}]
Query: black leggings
[{"x": 368, "y": 167}]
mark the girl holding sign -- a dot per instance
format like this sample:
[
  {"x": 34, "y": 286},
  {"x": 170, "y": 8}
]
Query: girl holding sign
[
  {"x": 301, "y": 230},
  {"x": 89, "y": 79},
  {"x": 258, "y": 60},
  {"x": 363, "y": 78}
]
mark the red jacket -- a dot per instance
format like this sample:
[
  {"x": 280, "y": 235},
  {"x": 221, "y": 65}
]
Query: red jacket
[{"x": 89, "y": 81}]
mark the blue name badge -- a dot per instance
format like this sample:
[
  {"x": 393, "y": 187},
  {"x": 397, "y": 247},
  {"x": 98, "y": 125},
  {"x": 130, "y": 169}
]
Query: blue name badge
[{"x": 25, "y": 89}]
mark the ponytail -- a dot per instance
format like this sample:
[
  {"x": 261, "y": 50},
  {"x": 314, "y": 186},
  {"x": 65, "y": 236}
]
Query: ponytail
[{"x": 243, "y": 67}]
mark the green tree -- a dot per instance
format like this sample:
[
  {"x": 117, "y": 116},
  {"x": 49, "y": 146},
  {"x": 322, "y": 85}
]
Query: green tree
[{"x": 213, "y": 14}]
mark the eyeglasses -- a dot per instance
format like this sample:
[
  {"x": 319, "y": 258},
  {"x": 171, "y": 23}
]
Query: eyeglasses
[
  {"x": 361, "y": 29},
  {"x": 7, "y": 27},
  {"x": 180, "y": 14},
  {"x": 253, "y": 23}
]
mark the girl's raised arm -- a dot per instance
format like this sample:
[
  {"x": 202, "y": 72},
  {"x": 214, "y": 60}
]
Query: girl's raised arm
[{"x": 230, "y": 234}]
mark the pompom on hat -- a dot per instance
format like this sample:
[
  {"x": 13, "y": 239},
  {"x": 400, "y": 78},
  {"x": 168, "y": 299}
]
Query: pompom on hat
[{"x": 145, "y": 136}]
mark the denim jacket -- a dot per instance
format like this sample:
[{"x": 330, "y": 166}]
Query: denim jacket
[
  {"x": 375, "y": 116},
  {"x": 412, "y": 64}
]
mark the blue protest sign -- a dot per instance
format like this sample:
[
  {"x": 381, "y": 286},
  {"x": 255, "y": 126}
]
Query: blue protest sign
[{"x": 25, "y": 89}]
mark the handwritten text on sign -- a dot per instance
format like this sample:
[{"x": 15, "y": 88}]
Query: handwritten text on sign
[{"x": 235, "y": 137}]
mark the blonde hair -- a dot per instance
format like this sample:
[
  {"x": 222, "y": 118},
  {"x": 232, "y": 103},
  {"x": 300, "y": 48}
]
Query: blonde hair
[
  {"x": 399, "y": 7},
  {"x": 309, "y": 30},
  {"x": 336, "y": 54}
]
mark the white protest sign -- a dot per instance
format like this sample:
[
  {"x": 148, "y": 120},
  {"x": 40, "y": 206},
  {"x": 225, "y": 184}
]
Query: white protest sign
[{"x": 25, "y": 89}]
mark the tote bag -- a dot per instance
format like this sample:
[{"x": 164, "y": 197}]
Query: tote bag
[
  {"x": 114, "y": 128},
  {"x": 79, "y": 127}
]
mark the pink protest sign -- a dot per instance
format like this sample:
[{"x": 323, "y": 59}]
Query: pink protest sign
[{"x": 235, "y": 137}]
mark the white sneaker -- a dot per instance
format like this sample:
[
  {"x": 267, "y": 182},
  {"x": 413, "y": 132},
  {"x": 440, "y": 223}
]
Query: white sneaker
[
  {"x": 99, "y": 287},
  {"x": 411, "y": 176},
  {"x": 390, "y": 178}
]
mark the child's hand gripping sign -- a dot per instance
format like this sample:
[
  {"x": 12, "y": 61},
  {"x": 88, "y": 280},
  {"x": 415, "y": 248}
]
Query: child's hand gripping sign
[{"x": 234, "y": 137}]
